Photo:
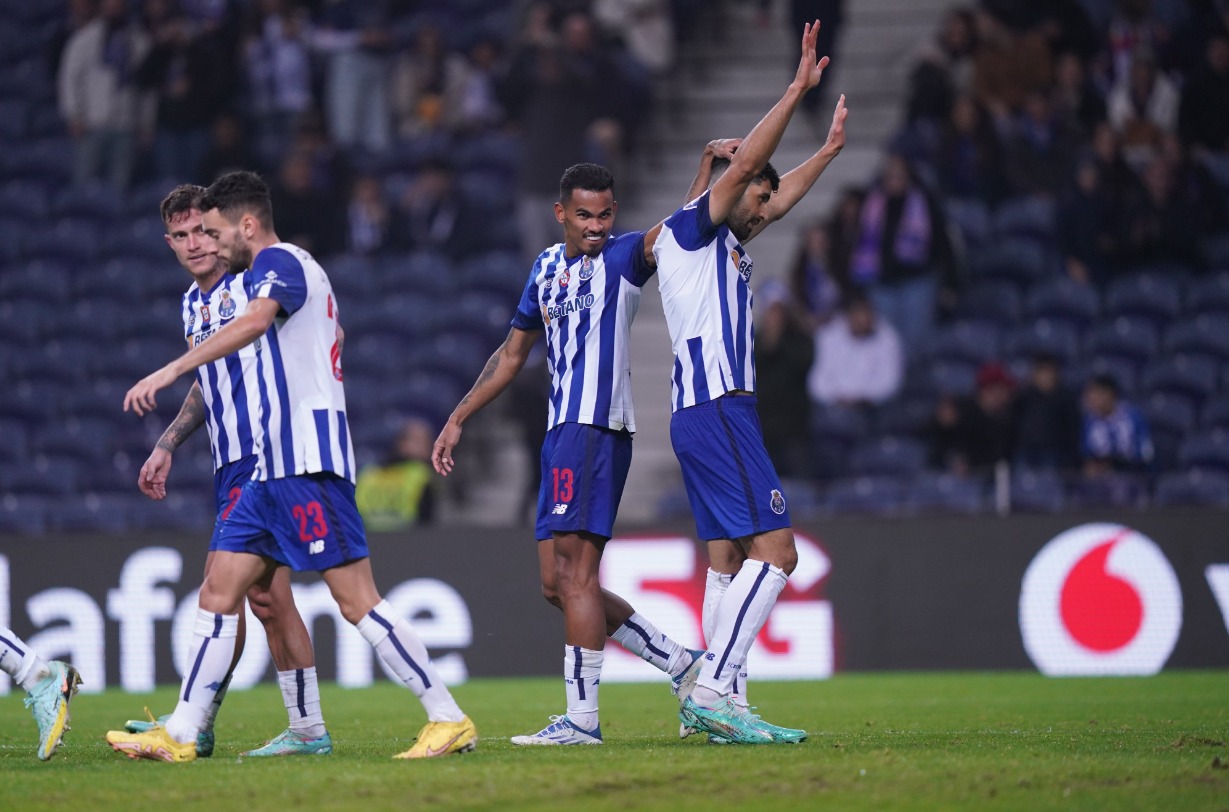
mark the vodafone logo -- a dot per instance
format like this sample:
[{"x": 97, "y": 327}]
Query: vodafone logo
[{"x": 1100, "y": 599}]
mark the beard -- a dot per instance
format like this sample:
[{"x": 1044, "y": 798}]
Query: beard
[{"x": 240, "y": 259}]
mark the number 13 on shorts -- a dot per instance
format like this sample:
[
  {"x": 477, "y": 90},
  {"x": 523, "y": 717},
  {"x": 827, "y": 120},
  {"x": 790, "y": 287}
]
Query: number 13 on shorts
[{"x": 561, "y": 478}]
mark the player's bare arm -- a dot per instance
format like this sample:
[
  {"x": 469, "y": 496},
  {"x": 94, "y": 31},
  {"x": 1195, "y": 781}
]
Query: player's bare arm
[
  {"x": 499, "y": 371},
  {"x": 757, "y": 148},
  {"x": 154, "y": 473},
  {"x": 798, "y": 181},
  {"x": 256, "y": 319}
]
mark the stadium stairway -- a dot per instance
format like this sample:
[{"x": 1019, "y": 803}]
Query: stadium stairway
[{"x": 722, "y": 86}]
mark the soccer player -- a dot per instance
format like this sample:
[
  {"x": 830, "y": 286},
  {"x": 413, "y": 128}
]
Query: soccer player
[
  {"x": 224, "y": 398},
  {"x": 704, "y": 275},
  {"x": 583, "y": 293},
  {"x": 299, "y": 509},
  {"x": 49, "y": 685}
]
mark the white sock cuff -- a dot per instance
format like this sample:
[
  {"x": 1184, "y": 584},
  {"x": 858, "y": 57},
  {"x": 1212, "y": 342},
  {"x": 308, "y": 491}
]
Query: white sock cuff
[
  {"x": 582, "y": 662},
  {"x": 718, "y": 580},
  {"x": 774, "y": 572},
  {"x": 377, "y": 624},
  {"x": 211, "y": 624}
]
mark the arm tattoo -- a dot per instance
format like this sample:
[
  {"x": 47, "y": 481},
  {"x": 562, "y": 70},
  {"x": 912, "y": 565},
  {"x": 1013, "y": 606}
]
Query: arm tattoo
[
  {"x": 487, "y": 373},
  {"x": 190, "y": 418}
]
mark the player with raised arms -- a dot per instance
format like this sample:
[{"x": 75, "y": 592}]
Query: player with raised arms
[
  {"x": 299, "y": 509},
  {"x": 704, "y": 275},
  {"x": 49, "y": 687},
  {"x": 225, "y": 399},
  {"x": 583, "y": 292}
]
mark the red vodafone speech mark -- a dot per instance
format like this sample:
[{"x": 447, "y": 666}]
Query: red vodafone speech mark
[{"x": 1101, "y": 611}]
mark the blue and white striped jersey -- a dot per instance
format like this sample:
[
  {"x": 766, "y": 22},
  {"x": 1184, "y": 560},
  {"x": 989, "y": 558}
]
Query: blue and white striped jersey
[
  {"x": 232, "y": 402},
  {"x": 586, "y": 307},
  {"x": 705, "y": 280},
  {"x": 302, "y": 427}
]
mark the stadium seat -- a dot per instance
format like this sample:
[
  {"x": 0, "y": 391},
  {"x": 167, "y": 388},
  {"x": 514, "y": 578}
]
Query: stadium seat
[
  {"x": 1057, "y": 338},
  {"x": 90, "y": 440},
  {"x": 64, "y": 361},
  {"x": 834, "y": 430},
  {"x": 1036, "y": 492},
  {"x": 23, "y": 515},
  {"x": 48, "y": 160},
  {"x": 966, "y": 341},
  {"x": 75, "y": 241},
  {"x": 489, "y": 313},
  {"x": 39, "y": 279},
  {"x": 1020, "y": 261},
  {"x": 1121, "y": 490},
  {"x": 500, "y": 272},
  {"x": 998, "y": 302},
  {"x": 1124, "y": 372},
  {"x": 1192, "y": 375},
  {"x": 97, "y": 202},
  {"x": 16, "y": 444},
  {"x": 44, "y": 476},
  {"x": 972, "y": 217},
  {"x": 12, "y": 239},
  {"x": 1064, "y": 299},
  {"x": 1215, "y": 250},
  {"x": 1152, "y": 296},
  {"x": 1169, "y": 411},
  {"x": 429, "y": 394},
  {"x": 94, "y": 513},
  {"x": 1025, "y": 217},
  {"x": 1127, "y": 337},
  {"x": 1195, "y": 488},
  {"x": 1207, "y": 333},
  {"x": 905, "y": 415},
  {"x": 494, "y": 150},
  {"x": 407, "y": 316},
  {"x": 32, "y": 401},
  {"x": 24, "y": 200},
  {"x": 140, "y": 240},
  {"x": 953, "y": 377},
  {"x": 892, "y": 456},
  {"x": 879, "y": 496},
  {"x": 428, "y": 272},
  {"x": 13, "y": 116},
  {"x": 946, "y": 493},
  {"x": 1210, "y": 295},
  {"x": 1215, "y": 413},
  {"x": 486, "y": 189},
  {"x": 1205, "y": 450},
  {"x": 352, "y": 276}
]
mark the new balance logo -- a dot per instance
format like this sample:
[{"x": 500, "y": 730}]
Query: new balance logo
[
  {"x": 316, "y": 546},
  {"x": 560, "y": 509},
  {"x": 708, "y": 655}
]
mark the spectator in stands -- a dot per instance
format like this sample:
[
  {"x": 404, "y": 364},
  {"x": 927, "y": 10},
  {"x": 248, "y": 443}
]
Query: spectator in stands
[
  {"x": 306, "y": 216},
  {"x": 426, "y": 85},
  {"x": 1203, "y": 118},
  {"x": 1086, "y": 227},
  {"x": 843, "y": 227},
  {"x": 969, "y": 435},
  {"x": 969, "y": 160},
  {"x": 813, "y": 284},
  {"x": 278, "y": 71},
  {"x": 228, "y": 149},
  {"x": 943, "y": 68},
  {"x": 1133, "y": 26},
  {"x": 1048, "y": 423},
  {"x": 646, "y": 27},
  {"x": 1041, "y": 149},
  {"x": 433, "y": 215},
  {"x": 105, "y": 109},
  {"x": 1143, "y": 107},
  {"x": 191, "y": 68},
  {"x": 1115, "y": 434},
  {"x": 479, "y": 106},
  {"x": 80, "y": 14},
  {"x": 902, "y": 253},
  {"x": 859, "y": 360},
  {"x": 354, "y": 37},
  {"x": 1160, "y": 227},
  {"x": 398, "y": 493},
  {"x": 1075, "y": 99},
  {"x": 1008, "y": 65},
  {"x": 368, "y": 219},
  {"x": 783, "y": 355}
]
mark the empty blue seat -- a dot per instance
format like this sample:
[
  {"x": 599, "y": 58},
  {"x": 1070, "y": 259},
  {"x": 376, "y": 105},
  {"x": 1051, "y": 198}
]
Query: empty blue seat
[
  {"x": 1023, "y": 262},
  {"x": 44, "y": 476},
  {"x": 1169, "y": 411},
  {"x": 1195, "y": 488},
  {"x": 1207, "y": 333},
  {"x": 64, "y": 361},
  {"x": 946, "y": 493},
  {"x": 39, "y": 279},
  {"x": 98, "y": 202},
  {"x": 1037, "y": 492},
  {"x": 431, "y": 395},
  {"x": 1025, "y": 217},
  {"x": 12, "y": 239},
  {"x": 32, "y": 401},
  {"x": 972, "y": 217},
  {"x": 1063, "y": 298},
  {"x": 1192, "y": 375},
  {"x": 1057, "y": 338},
  {"x": 492, "y": 150},
  {"x": 76, "y": 241},
  {"x": 352, "y": 276},
  {"x": 95, "y": 513},
  {"x": 1205, "y": 450},
  {"x": 880, "y": 496},
  {"x": 1124, "y": 372},
  {"x": 427, "y": 272},
  {"x": 87, "y": 439},
  {"x": 1215, "y": 413},
  {"x": 140, "y": 240},
  {"x": 991, "y": 301},
  {"x": 967, "y": 341},
  {"x": 45, "y": 160},
  {"x": 183, "y": 510},
  {"x": 838, "y": 424},
  {"x": 1153, "y": 296},
  {"x": 1210, "y": 295},
  {"x": 898, "y": 456},
  {"x": 24, "y": 514},
  {"x": 905, "y": 415},
  {"x": 954, "y": 377},
  {"x": 1113, "y": 489},
  {"x": 24, "y": 200},
  {"x": 1124, "y": 336}
]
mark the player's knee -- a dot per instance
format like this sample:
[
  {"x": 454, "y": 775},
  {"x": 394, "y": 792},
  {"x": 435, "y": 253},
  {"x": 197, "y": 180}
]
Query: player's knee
[{"x": 788, "y": 560}]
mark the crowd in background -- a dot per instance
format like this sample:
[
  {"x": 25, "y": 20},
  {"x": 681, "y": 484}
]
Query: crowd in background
[{"x": 1098, "y": 132}]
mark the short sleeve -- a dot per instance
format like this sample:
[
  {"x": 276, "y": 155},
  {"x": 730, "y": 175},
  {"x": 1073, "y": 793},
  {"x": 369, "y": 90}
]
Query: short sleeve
[
  {"x": 276, "y": 274},
  {"x": 691, "y": 226},
  {"x": 528, "y": 313},
  {"x": 627, "y": 254}
]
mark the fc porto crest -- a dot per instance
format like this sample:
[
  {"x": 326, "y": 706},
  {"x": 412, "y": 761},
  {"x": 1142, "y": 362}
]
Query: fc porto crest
[
  {"x": 227, "y": 307},
  {"x": 586, "y": 269},
  {"x": 777, "y": 502}
]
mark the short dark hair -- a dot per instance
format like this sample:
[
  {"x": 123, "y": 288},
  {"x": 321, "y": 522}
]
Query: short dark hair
[
  {"x": 855, "y": 298},
  {"x": 180, "y": 200},
  {"x": 1105, "y": 381},
  {"x": 590, "y": 177},
  {"x": 768, "y": 173},
  {"x": 238, "y": 193}
]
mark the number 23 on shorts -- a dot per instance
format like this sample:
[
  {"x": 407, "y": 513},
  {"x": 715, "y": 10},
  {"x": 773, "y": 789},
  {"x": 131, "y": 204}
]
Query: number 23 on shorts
[{"x": 311, "y": 521}]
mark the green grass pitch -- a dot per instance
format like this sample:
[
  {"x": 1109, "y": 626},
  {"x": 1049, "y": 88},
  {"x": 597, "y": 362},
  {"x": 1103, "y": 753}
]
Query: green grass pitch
[{"x": 878, "y": 742}]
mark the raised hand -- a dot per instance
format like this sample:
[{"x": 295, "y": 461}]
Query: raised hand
[
  {"x": 836, "y": 133},
  {"x": 723, "y": 147},
  {"x": 809, "y": 70}
]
